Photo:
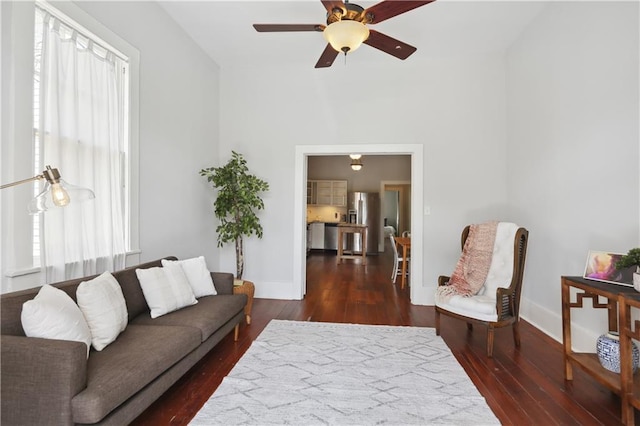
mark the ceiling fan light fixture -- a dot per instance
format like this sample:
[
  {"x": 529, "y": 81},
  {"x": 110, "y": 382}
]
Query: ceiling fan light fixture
[
  {"x": 346, "y": 36},
  {"x": 356, "y": 165}
]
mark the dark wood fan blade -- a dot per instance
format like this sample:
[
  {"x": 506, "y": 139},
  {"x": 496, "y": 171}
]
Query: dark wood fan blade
[
  {"x": 389, "y": 45},
  {"x": 390, "y": 8},
  {"x": 272, "y": 28},
  {"x": 328, "y": 56},
  {"x": 331, "y": 4}
]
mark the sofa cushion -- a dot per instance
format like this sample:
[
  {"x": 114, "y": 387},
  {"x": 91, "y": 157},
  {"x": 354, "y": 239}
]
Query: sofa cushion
[
  {"x": 128, "y": 280},
  {"x": 137, "y": 357},
  {"x": 223, "y": 282},
  {"x": 165, "y": 289},
  {"x": 198, "y": 275},
  {"x": 208, "y": 315},
  {"x": 103, "y": 306},
  {"x": 52, "y": 314}
]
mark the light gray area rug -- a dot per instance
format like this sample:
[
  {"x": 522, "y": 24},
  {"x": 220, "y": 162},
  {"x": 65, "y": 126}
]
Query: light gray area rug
[{"x": 309, "y": 373}]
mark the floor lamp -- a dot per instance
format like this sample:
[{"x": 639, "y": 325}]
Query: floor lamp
[{"x": 56, "y": 192}]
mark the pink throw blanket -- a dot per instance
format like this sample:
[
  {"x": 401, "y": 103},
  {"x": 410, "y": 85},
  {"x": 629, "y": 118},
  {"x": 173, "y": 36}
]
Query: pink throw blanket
[{"x": 473, "y": 266}]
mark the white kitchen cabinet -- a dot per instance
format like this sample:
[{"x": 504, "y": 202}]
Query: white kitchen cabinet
[
  {"x": 311, "y": 192},
  {"x": 327, "y": 193},
  {"x": 339, "y": 193},
  {"x": 317, "y": 235},
  {"x": 323, "y": 192}
]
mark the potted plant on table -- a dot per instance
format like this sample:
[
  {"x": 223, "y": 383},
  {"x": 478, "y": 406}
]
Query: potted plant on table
[
  {"x": 632, "y": 258},
  {"x": 236, "y": 204}
]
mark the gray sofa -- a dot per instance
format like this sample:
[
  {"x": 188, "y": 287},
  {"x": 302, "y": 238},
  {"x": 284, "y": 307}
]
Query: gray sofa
[{"x": 52, "y": 381}]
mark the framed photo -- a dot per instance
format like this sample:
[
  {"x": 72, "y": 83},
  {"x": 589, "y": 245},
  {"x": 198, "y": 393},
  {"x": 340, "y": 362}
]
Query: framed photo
[{"x": 601, "y": 266}]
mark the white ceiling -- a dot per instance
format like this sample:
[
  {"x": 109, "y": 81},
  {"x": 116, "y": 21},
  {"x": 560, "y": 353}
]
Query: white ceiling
[{"x": 223, "y": 29}]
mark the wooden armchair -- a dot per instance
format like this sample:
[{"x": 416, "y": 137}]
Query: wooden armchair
[{"x": 498, "y": 302}]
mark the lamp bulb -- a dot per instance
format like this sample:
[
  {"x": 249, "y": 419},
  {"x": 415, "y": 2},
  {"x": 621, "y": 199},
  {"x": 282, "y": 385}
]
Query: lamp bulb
[{"x": 59, "y": 195}]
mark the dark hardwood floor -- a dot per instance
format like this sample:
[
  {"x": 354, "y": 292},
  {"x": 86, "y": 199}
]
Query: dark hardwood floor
[{"x": 522, "y": 386}]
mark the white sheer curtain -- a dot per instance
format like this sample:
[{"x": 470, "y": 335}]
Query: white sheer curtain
[{"x": 81, "y": 134}]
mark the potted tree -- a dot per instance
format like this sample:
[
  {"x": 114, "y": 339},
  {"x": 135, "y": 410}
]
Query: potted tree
[
  {"x": 632, "y": 258},
  {"x": 236, "y": 204}
]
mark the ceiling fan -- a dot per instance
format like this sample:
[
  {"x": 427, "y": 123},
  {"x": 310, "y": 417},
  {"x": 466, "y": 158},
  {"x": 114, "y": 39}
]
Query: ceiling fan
[{"x": 347, "y": 29}]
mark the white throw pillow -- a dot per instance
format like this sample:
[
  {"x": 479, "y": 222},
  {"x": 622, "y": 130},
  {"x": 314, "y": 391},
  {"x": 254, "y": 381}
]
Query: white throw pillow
[
  {"x": 103, "y": 305},
  {"x": 198, "y": 275},
  {"x": 52, "y": 314},
  {"x": 165, "y": 289}
]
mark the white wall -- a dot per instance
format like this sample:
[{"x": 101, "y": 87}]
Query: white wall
[
  {"x": 16, "y": 107},
  {"x": 572, "y": 86},
  {"x": 178, "y": 133},
  {"x": 455, "y": 108}
]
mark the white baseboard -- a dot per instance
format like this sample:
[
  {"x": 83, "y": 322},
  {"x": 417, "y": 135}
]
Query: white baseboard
[
  {"x": 275, "y": 290},
  {"x": 550, "y": 323}
]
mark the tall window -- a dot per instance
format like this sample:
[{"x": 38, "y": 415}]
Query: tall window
[{"x": 81, "y": 110}]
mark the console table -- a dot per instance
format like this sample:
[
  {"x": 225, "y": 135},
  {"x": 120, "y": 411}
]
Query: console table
[
  {"x": 589, "y": 289},
  {"x": 630, "y": 387}
]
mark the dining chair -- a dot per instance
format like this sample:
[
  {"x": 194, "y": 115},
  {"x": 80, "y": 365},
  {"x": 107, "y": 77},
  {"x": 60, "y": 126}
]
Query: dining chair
[{"x": 397, "y": 265}]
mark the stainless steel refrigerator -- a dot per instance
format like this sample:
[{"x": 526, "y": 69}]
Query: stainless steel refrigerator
[{"x": 364, "y": 208}]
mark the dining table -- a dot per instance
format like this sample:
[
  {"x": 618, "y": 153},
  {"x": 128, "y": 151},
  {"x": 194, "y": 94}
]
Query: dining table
[{"x": 405, "y": 244}]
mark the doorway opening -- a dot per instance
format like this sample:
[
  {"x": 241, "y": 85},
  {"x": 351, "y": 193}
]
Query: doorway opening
[
  {"x": 391, "y": 211},
  {"x": 397, "y": 205},
  {"x": 416, "y": 196}
]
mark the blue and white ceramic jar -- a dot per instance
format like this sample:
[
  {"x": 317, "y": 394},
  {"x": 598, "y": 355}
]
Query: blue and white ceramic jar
[{"x": 608, "y": 350}]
